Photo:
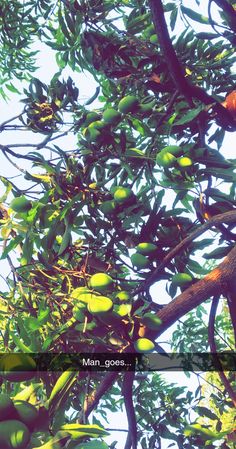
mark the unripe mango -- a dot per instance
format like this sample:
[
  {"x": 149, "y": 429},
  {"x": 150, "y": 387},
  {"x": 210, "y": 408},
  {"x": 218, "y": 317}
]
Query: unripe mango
[
  {"x": 99, "y": 305},
  {"x": 100, "y": 281},
  {"x": 144, "y": 345},
  {"x": 146, "y": 248},
  {"x": 123, "y": 296},
  {"x": 26, "y": 413},
  {"x": 20, "y": 204},
  {"x": 111, "y": 116},
  {"x": 17, "y": 367},
  {"x": 180, "y": 279},
  {"x": 108, "y": 207},
  {"x": 139, "y": 261},
  {"x": 151, "y": 320},
  {"x": 165, "y": 159},
  {"x": 185, "y": 161},
  {"x": 122, "y": 194},
  {"x": 130, "y": 103},
  {"x": 13, "y": 434}
]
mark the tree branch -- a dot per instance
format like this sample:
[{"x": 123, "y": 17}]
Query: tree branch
[
  {"x": 214, "y": 282},
  {"x": 216, "y": 220},
  {"x": 96, "y": 395},
  {"x": 212, "y": 344},
  {"x": 127, "y": 390},
  {"x": 229, "y": 10},
  {"x": 188, "y": 90}
]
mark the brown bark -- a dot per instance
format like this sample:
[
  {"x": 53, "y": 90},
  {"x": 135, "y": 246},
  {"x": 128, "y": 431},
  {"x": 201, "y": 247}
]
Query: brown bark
[{"x": 214, "y": 283}]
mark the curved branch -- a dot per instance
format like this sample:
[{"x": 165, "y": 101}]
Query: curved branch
[
  {"x": 216, "y": 220},
  {"x": 127, "y": 390},
  {"x": 212, "y": 344},
  {"x": 212, "y": 284}
]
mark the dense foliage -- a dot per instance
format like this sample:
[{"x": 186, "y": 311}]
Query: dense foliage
[{"x": 92, "y": 225}]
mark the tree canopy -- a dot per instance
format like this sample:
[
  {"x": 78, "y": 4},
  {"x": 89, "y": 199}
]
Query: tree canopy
[{"x": 141, "y": 197}]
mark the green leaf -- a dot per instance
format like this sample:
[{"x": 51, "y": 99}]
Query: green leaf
[
  {"x": 203, "y": 411},
  {"x": 194, "y": 15},
  {"x": 193, "y": 113},
  {"x": 218, "y": 253},
  {"x": 96, "y": 444},
  {"x": 12, "y": 88},
  {"x": 84, "y": 430}
]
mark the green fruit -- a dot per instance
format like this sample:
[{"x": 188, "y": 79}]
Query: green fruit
[
  {"x": 91, "y": 117},
  {"x": 100, "y": 281},
  {"x": 185, "y": 161},
  {"x": 128, "y": 104},
  {"x": 26, "y": 413},
  {"x": 165, "y": 159},
  {"x": 122, "y": 194},
  {"x": 151, "y": 320},
  {"x": 20, "y": 204},
  {"x": 149, "y": 31},
  {"x": 172, "y": 149},
  {"x": 111, "y": 116},
  {"x": 99, "y": 304},
  {"x": 139, "y": 261},
  {"x": 123, "y": 296},
  {"x": 153, "y": 39},
  {"x": 180, "y": 279},
  {"x": 144, "y": 345},
  {"x": 6, "y": 407},
  {"x": 91, "y": 134},
  {"x": 13, "y": 435},
  {"x": 146, "y": 248},
  {"x": 17, "y": 367},
  {"x": 98, "y": 124},
  {"x": 108, "y": 207}
]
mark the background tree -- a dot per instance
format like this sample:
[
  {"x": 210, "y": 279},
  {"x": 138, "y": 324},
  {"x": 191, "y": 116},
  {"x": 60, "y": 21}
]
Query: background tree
[{"x": 99, "y": 224}]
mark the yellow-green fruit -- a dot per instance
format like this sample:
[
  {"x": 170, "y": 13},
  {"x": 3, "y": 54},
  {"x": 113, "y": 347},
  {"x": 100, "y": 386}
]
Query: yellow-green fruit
[
  {"x": 111, "y": 116},
  {"x": 123, "y": 296},
  {"x": 6, "y": 407},
  {"x": 165, "y": 159},
  {"x": 91, "y": 134},
  {"x": 151, "y": 320},
  {"x": 130, "y": 103},
  {"x": 139, "y": 261},
  {"x": 100, "y": 281},
  {"x": 122, "y": 194},
  {"x": 26, "y": 413},
  {"x": 149, "y": 31},
  {"x": 100, "y": 304},
  {"x": 20, "y": 204},
  {"x": 146, "y": 248},
  {"x": 172, "y": 149},
  {"x": 91, "y": 117},
  {"x": 144, "y": 345},
  {"x": 185, "y": 161},
  {"x": 180, "y": 279},
  {"x": 153, "y": 39},
  {"x": 108, "y": 207},
  {"x": 17, "y": 367},
  {"x": 13, "y": 434}
]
